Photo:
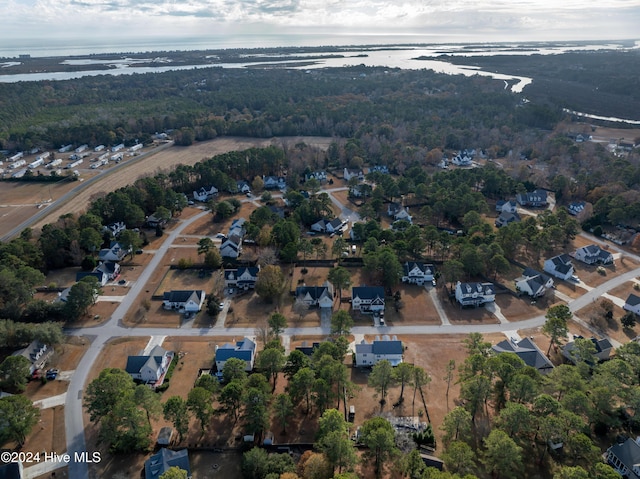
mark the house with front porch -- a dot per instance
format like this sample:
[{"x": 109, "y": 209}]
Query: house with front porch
[
  {"x": 533, "y": 283},
  {"x": 367, "y": 299},
  {"x": 559, "y": 266},
  {"x": 526, "y": 350},
  {"x": 150, "y": 368},
  {"x": 245, "y": 350},
  {"x": 475, "y": 294},
  {"x": 624, "y": 457},
  {"x": 205, "y": 193},
  {"x": 356, "y": 173},
  {"x": 110, "y": 268},
  {"x": 37, "y": 354},
  {"x": 593, "y": 254},
  {"x": 243, "y": 277},
  {"x": 417, "y": 273},
  {"x": 115, "y": 252},
  {"x": 632, "y": 304},
  {"x": 535, "y": 199},
  {"x": 385, "y": 348},
  {"x": 316, "y": 296},
  {"x": 189, "y": 301}
]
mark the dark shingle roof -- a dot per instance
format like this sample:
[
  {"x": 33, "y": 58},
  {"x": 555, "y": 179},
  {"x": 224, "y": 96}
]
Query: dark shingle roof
[
  {"x": 158, "y": 464},
  {"x": 368, "y": 292},
  {"x": 526, "y": 350},
  {"x": 628, "y": 453}
]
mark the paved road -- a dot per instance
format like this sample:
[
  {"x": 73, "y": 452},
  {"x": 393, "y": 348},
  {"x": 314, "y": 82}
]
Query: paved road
[{"x": 100, "y": 335}]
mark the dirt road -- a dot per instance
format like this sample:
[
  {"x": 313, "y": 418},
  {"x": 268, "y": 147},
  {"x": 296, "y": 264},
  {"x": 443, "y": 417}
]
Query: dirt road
[{"x": 148, "y": 165}]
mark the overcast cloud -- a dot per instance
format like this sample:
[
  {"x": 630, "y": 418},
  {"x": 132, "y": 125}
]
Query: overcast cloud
[{"x": 470, "y": 20}]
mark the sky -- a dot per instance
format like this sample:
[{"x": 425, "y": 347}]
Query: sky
[{"x": 439, "y": 21}]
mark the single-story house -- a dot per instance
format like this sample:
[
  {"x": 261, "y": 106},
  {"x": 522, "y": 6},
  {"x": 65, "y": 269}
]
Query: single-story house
[
  {"x": 624, "y": 457},
  {"x": 37, "y": 354},
  {"x": 204, "y": 194},
  {"x": 475, "y": 294},
  {"x": 101, "y": 276},
  {"x": 320, "y": 296},
  {"x": 163, "y": 460},
  {"x": 150, "y": 368},
  {"x": 536, "y": 198},
  {"x": 115, "y": 252},
  {"x": 506, "y": 218},
  {"x": 244, "y": 277},
  {"x": 504, "y": 206},
  {"x": 526, "y": 350},
  {"x": 245, "y": 350},
  {"x": 603, "y": 348},
  {"x": 154, "y": 220},
  {"x": 367, "y": 299},
  {"x": 417, "y": 273},
  {"x": 632, "y": 304},
  {"x": 533, "y": 283},
  {"x": 368, "y": 354},
  {"x": 353, "y": 173},
  {"x": 559, "y": 266},
  {"x": 187, "y": 300},
  {"x": 593, "y": 254}
]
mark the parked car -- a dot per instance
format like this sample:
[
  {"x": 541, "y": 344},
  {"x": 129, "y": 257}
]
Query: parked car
[
  {"x": 52, "y": 373},
  {"x": 221, "y": 306}
]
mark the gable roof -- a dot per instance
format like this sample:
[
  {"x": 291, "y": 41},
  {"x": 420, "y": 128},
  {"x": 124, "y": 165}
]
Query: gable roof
[
  {"x": 165, "y": 458},
  {"x": 367, "y": 292},
  {"x": 526, "y": 350},
  {"x": 242, "y": 350},
  {"x": 628, "y": 453},
  {"x": 153, "y": 360},
  {"x": 315, "y": 292},
  {"x": 183, "y": 296},
  {"x": 633, "y": 300},
  {"x": 479, "y": 288},
  {"x": 423, "y": 267}
]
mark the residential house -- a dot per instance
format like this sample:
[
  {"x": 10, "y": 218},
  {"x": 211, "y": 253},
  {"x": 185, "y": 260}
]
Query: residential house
[
  {"x": 536, "y": 198},
  {"x": 533, "y": 283},
  {"x": 114, "y": 229},
  {"x": 504, "y": 206},
  {"x": 506, "y": 218},
  {"x": 205, "y": 193},
  {"x": 150, "y": 368},
  {"x": 316, "y": 296},
  {"x": 37, "y": 354},
  {"x": 110, "y": 268},
  {"x": 115, "y": 252},
  {"x": 243, "y": 277},
  {"x": 307, "y": 350},
  {"x": 321, "y": 176},
  {"x": 274, "y": 182},
  {"x": 242, "y": 186},
  {"x": 602, "y": 347},
  {"x": 369, "y": 354},
  {"x": 418, "y": 273},
  {"x": 328, "y": 226},
  {"x": 353, "y": 173},
  {"x": 632, "y": 304},
  {"x": 398, "y": 212},
  {"x": 231, "y": 246},
  {"x": 101, "y": 276},
  {"x": 245, "y": 350},
  {"x": 163, "y": 460},
  {"x": 575, "y": 208},
  {"x": 624, "y": 457},
  {"x": 189, "y": 301},
  {"x": 154, "y": 220},
  {"x": 475, "y": 294},
  {"x": 367, "y": 299},
  {"x": 462, "y": 160},
  {"x": 526, "y": 350},
  {"x": 559, "y": 266},
  {"x": 379, "y": 169},
  {"x": 593, "y": 254}
]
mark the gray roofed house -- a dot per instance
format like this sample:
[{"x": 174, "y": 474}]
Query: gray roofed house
[
  {"x": 115, "y": 252},
  {"x": 101, "y": 276},
  {"x": 244, "y": 277},
  {"x": 475, "y": 294},
  {"x": 536, "y": 198},
  {"x": 368, "y": 354},
  {"x": 526, "y": 350},
  {"x": 367, "y": 298},
  {"x": 533, "y": 283},
  {"x": 632, "y": 304},
  {"x": 506, "y": 218},
  {"x": 321, "y": 296},
  {"x": 559, "y": 266},
  {"x": 603, "y": 349},
  {"x": 593, "y": 254},
  {"x": 625, "y": 458},
  {"x": 576, "y": 207},
  {"x": 417, "y": 273},
  {"x": 245, "y": 350},
  {"x": 163, "y": 460},
  {"x": 36, "y": 353},
  {"x": 187, "y": 300},
  {"x": 505, "y": 206},
  {"x": 150, "y": 368},
  {"x": 327, "y": 226}
]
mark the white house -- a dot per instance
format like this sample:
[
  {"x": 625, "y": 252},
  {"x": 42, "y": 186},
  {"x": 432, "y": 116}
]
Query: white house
[
  {"x": 244, "y": 277},
  {"x": 36, "y": 353},
  {"x": 353, "y": 173},
  {"x": 367, "y": 299},
  {"x": 321, "y": 176},
  {"x": 506, "y": 218},
  {"x": 475, "y": 294},
  {"x": 593, "y": 254},
  {"x": 189, "y": 301},
  {"x": 110, "y": 268},
  {"x": 461, "y": 160},
  {"x": 205, "y": 194},
  {"x": 559, "y": 266},
  {"x": 245, "y": 350},
  {"x": 368, "y": 354},
  {"x": 632, "y": 304},
  {"x": 231, "y": 246},
  {"x": 328, "y": 226},
  {"x": 274, "y": 182},
  {"x": 533, "y": 283},
  {"x": 150, "y": 368},
  {"x": 624, "y": 457},
  {"x": 576, "y": 207},
  {"x": 417, "y": 273},
  {"x": 242, "y": 186},
  {"x": 504, "y": 206},
  {"x": 316, "y": 296},
  {"x": 114, "y": 228},
  {"x": 101, "y": 276},
  {"x": 398, "y": 212}
]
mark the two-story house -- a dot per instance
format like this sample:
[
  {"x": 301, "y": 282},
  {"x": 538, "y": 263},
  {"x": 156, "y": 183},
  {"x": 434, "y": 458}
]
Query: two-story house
[
  {"x": 506, "y": 218},
  {"x": 593, "y": 254},
  {"x": 205, "y": 193},
  {"x": 353, "y": 173},
  {"x": 536, "y": 199},
  {"x": 398, "y": 212},
  {"x": 150, "y": 368},
  {"x": 632, "y": 304},
  {"x": 418, "y": 273},
  {"x": 602, "y": 349},
  {"x": 533, "y": 283},
  {"x": 114, "y": 229},
  {"x": 231, "y": 245},
  {"x": 37, "y": 354},
  {"x": 245, "y": 350},
  {"x": 316, "y": 296},
  {"x": 328, "y": 226},
  {"x": 559, "y": 266},
  {"x": 526, "y": 350},
  {"x": 624, "y": 457},
  {"x": 243, "y": 277},
  {"x": 475, "y": 294},
  {"x": 506, "y": 206},
  {"x": 370, "y": 353},
  {"x": 367, "y": 299},
  {"x": 115, "y": 252}
]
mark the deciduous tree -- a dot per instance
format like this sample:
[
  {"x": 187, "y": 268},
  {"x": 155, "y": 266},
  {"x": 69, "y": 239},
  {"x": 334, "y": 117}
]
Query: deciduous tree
[
  {"x": 19, "y": 415},
  {"x": 175, "y": 410}
]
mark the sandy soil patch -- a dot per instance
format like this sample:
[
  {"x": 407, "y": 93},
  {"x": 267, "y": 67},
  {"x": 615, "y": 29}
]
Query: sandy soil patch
[
  {"x": 593, "y": 314},
  {"x": 521, "y": 308},
  {"x": 458, "y": 315},
  {"x": 194, "y": 354},
  {"x": 417, "y": 307},
  {"x": 48, "y": 435},
  {"x": 115, "y": 353}
]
